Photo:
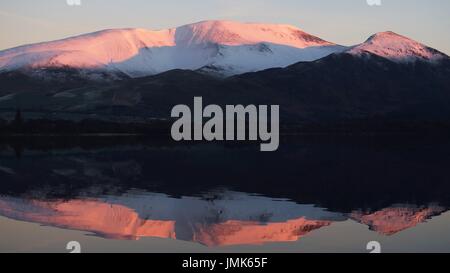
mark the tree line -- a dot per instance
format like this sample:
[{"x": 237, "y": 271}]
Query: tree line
[{"x": 42, "y": 126}]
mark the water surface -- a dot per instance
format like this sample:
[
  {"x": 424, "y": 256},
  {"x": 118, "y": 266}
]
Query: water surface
[{"x": 316, "y": 194}]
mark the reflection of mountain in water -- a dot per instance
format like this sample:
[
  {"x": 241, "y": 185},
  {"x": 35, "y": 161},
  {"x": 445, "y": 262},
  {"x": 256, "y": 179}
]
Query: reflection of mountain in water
[
  {"x": 395, "y": 219},
  {"x": 198, "y": 192},
  {"x": 341, "y": 174},
  {"x": 229, "y": 219}
]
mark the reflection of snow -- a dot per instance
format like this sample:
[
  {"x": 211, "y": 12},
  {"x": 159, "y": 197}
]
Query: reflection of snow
[
  {"x": 7, "y": 170},
  {"x": 392, "y": 220},
  {"x": 214, "y": 219},
  {"x": 230, "y": 218},
  {"x": 7, "y": 97}
]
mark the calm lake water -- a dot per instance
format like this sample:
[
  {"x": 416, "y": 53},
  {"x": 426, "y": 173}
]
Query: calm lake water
[{"x": 315, "y": 194}]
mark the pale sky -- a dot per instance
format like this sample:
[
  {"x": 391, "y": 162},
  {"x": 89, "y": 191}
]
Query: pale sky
[{"x": 346, "y": 22}]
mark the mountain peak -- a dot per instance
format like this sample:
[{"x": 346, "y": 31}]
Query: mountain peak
[
  {"x": 234, "y": 33},
  {"x": 386, "y": 34},
  {"x": 396, "y": 47}
]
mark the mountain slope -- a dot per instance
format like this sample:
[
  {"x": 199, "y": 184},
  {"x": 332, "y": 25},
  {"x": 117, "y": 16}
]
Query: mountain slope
[
  {"x": 222, "y": 46},
  {"x": 398, "y": 48},
  {"x": 336, "y": 89}
]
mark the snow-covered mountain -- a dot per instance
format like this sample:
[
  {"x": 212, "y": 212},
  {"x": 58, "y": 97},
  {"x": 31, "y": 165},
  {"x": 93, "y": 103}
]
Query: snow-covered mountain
[
  {"x": 397, "y": 48},
  {"x": 218, "y": 47},
  {"x": 223, "y": 47}
]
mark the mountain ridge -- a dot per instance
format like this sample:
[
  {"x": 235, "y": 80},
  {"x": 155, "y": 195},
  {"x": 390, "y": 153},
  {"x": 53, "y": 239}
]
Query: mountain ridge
[
  {"x": 229, "y": 46},
  {"x": 216, "y": 47}
]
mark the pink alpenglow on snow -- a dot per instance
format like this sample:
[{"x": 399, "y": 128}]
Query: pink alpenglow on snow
[
  {"x": 236, "y": 34},
  {"x": 228, "y": 47},
  {"x": 397, "y": 48},
  {"x": 224, "y": 48}
]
